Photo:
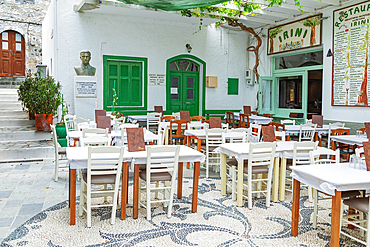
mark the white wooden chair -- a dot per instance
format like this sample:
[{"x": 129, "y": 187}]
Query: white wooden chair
[
  {"x": 161, "y": 166},
  {"x": 69, "y": 123},
  {"x": 79, "y": 120},
  {"x": 162, "y": 133},
  {"x": 213, "y": 140},
  {"x": 60, "y": 158},
  {"x": 288, "y": 121},
  {"x": 307, "y": 132},
  {"x": 281, "y": 135},
  {"x": 255, "y": 132},
  {"x": 234, "y": 136},
  {"x": 103, "y": 171},
  {"x": 153, "y": 119},
  {"x": 95, "y": 137},
  {"x": 261, "y": 160},
  {"x": 301, "y": 156}
]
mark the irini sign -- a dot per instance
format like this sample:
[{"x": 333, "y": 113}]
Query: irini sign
[
  {"x": 351, "y": 56},
  {"x": 295, "y": 35}
]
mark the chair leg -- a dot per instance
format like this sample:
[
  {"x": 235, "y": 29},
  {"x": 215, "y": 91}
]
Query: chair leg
[
  {"x": 207, "y": 165},
  {"x": 268, "y": 195},
  {"x": 148, "y": 206},
  {"x": 259, "y": 185},
  {"x": 114, "y": 208},
  {"x": 88, "y": 205},
  {"x": 105, "y": 188},
  {"x": 368, "y": 232},
  {"x": 233, "y": 182},
  {"x": 249, "y": 191},
  {"x": 156, "y": 192},
  {"x": 315, "y": 209},
  {"x": 310, "y": 194},
  {"x": 56, "y": 168},
  {"x": 82, "y": 198}
]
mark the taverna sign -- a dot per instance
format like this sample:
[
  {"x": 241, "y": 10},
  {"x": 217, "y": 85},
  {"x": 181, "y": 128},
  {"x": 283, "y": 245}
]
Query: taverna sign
[{"x": 295, "y": 35}]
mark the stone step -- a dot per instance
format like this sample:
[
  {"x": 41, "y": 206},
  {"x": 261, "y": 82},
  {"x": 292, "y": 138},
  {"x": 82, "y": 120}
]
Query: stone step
[
  {"x": 17, "y": 122},
  {"x": 24, "y": 135},
  {"x": 13, "y": 114},
  {"x": 26, "y": 150},
  {"x": 10, "y": 83},
  {"x": 11, "y": 105},
  {"x": 9, "y": 97}
]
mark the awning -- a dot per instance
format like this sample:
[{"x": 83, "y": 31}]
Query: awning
[{"x": 173, "y": 5}]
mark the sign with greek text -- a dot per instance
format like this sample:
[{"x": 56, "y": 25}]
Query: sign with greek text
[
  {"x": 157, "y": 79},
  {"x": 351, "y": 55},
  {"x": 304, "y": 33},
  {"x": 85, "y": 86}
]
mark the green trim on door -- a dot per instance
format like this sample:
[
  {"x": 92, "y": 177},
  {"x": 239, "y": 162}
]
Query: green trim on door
[
  {"x": 128, "y": 74},
  {"x": 202, "y": 74}
]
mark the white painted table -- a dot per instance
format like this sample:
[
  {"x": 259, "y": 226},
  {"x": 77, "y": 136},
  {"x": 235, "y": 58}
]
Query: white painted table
[
  {"x": 349, "y": 139},
  {"x": 254, "y": 119}
]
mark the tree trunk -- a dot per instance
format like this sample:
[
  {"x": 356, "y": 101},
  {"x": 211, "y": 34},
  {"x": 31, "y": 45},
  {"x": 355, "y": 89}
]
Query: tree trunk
[
  {"x": 313, "y": 34},
  {"x": 271, "y": 45}
]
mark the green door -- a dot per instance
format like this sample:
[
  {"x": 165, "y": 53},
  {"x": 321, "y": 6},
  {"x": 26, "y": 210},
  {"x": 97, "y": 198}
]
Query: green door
[{"x": 183, "y": 88}]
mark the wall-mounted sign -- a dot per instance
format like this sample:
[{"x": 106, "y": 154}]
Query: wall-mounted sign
[
  {"x": 85, "y": 86},
  {"x": 157, "y": 79},
  {"x": 350, "y": 56},
  {"x": 304, "y": 33}
]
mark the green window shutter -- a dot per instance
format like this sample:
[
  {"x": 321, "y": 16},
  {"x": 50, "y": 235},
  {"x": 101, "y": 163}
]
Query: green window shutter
[{"x": 233, "y": 86}]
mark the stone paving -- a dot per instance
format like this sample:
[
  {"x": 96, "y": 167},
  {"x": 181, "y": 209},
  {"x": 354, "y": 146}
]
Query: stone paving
[{"x": 26, "y": 189}]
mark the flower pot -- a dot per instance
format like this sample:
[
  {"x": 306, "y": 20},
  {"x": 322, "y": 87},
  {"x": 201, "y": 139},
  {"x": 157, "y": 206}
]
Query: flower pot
[
  {"x": 62, "y": 142},
  {"x": 43, "y": 122},
  {"x": 61, "y": 130},
  {"x": 31, "y": 116}
]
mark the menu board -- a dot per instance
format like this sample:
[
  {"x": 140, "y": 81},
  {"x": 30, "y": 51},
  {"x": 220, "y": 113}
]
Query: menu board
[{"x": 350, "y": 55}]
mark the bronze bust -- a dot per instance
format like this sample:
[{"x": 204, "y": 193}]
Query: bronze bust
[{"x": 85, "y": 69}]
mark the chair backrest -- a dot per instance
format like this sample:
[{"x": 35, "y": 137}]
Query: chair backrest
[
  {"x": 55, "y": 140},
  {"x": 288, "y": 121},
  {"x": 214, "y": 137},
  {"x": 367, "y": 129},
  {"x": 85, "y": 125},
  {"x": 153, "y": 118},
  {"x": 268, "y": 133},
  {"x": 79, "y": 120},
  {"x": 176, "y": 128},
  {"x": 94, "y": 131},
  {"x": 135, "y": 139},
  {"x": 267, "y": 115},
  {"x": 158, "y": 108},
  {"x": 197, "y": 118},
  {"x": 68, "y": 117},
  {"x": 234, "y": 136},
  {"x": 99, "y": 113},
  {"x": 104, "y": 122},
  {"x": 70, "y": 125},
  {"x": 307, "y": 132},
  {"x": 243, "y": 120},
  {"x": 262, "y": 153},
  {"x": 167, "y": 118},
  {"x": 340, "y": 131},
  {"x": 254, "y": 113},
  {"x": 301, "y": 152},
  {"x": 162, "y": 129},
  {"x": 230, "y": 118},
  {"x": 335, "y": 125},
  {"x": 318, "y": 119},
  {"x": 247, "y": 109},
  {"x": 162, "y": 159},
  {"x": 176, "y": 115},
  {"x": 215, "y": 122},
  {"x": 359, "y": 152},
  {"x": 317, "y": 156},
  {"x": 185, "y": 115},
  {"x": 195, "y": 125},
  {"x": 247, "y": 131},
  {"x": 96, "y": 140},
  {"x": 255, "y": 132},
  {"x": 278, "y": 126},
  {"x": 105, "y": 161},
  {"x": 280, "y": 136}
]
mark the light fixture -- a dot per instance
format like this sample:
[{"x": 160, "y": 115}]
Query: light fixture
[
  {"x": 329, "y": 54},
  {"x": 188, "y": 47}
]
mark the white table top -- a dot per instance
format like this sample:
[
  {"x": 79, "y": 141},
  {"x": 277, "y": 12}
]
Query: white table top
[
  {"x": 148, "y": 135},
  {"x": 289, "y": 129},
  {"x": 200, "y": 133},
  {"x": 254, "y": 119},
  {"x": 77, "y": 156},
  {"x": 330, "y": 177},
  {"x": 241, "y": 150},
  {"x": 350, "y": 139}
]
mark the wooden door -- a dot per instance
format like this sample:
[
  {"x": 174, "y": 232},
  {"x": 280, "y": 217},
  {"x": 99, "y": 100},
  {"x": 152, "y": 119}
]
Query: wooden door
[
  {"x": 12, "y": 54},
  {"x": 183, "y": 88}
]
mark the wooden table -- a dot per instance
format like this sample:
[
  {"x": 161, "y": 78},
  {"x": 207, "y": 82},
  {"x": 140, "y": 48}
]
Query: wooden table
[
  {"x": 77, "y": 158},
  {"x": 331, "y": 179}
]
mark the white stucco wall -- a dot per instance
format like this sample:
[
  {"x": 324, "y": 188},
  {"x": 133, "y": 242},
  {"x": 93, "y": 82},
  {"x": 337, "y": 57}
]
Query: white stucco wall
[{"x": 224, "y": 51}]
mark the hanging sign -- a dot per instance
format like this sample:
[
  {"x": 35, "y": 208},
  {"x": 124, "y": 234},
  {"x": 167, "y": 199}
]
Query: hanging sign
[
  {"x": 304, "y": 33},
  {"x": 350, "y": 55}
]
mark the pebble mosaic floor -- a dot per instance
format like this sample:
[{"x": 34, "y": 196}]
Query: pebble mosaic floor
[{"x": 218, "y": 222}]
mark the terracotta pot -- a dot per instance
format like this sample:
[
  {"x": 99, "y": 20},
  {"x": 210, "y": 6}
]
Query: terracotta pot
[
  {"x": 31, "y": 116},
  {"x": 43, "y": 122}
]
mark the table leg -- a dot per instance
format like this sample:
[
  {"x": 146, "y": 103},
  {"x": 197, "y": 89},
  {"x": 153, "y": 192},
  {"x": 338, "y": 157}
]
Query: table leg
[
  {"x": 72, "y": 196},
  {"x": 335, "y": 219},
  {"x": 275, "y": 181},
  {"x": 124, "y": 190},
  {"x": 223, "y": 174},
  {"x": 69, "y": 188},
  {"x": 282, "y": 179},
  {"x": 166, "y": 136},
  {"x": 295, "y": 207},
  {"x": 188, "y": 142},
  {"x": 179, "y": 180},
  {"x": 195, "y": 186},
  {"x": 239, "y": 195},
  {"x": 136, "y": 191}
]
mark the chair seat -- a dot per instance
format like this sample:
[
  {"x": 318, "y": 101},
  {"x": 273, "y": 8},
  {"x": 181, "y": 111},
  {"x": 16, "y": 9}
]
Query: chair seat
[
  {"x": 101, "y": 179},
  {"x": 156, "y": 177},
  {"x": 203, "y": 147},
  {"x": 256, "y": 169},
  {"x": 62, "y": 150},
  {"x": 361, "y": 204},
  {"x": 234, "y": 162}
]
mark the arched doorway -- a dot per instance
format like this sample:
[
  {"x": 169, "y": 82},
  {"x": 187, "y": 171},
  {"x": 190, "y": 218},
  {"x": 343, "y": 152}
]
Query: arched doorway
[
  {"x": 183, "y": 87},
  {"x": 12, "y": 54}
]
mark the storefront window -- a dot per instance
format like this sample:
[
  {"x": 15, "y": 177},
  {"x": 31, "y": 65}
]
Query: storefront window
[
  {"x": 299, "y": 60},
  {"x": 290, "y": 92}
]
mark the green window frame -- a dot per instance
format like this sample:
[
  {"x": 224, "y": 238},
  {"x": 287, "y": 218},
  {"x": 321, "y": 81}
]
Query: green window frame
[
  {"x": 233, "y": 86},
  {"x": 129, "y": 77}
]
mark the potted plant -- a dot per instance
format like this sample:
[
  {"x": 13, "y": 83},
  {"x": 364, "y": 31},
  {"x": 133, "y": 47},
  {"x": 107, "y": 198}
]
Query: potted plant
[
  {"x": 60, "y": 127},
  {"x": 42, "y": 97}
]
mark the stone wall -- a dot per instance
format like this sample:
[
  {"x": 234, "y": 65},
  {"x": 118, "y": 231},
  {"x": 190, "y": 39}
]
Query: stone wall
[{"x": 26, "y": 18}]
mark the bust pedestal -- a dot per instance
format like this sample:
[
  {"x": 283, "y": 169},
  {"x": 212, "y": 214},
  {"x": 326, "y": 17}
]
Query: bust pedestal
[{"x": 85, "y": 96}]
